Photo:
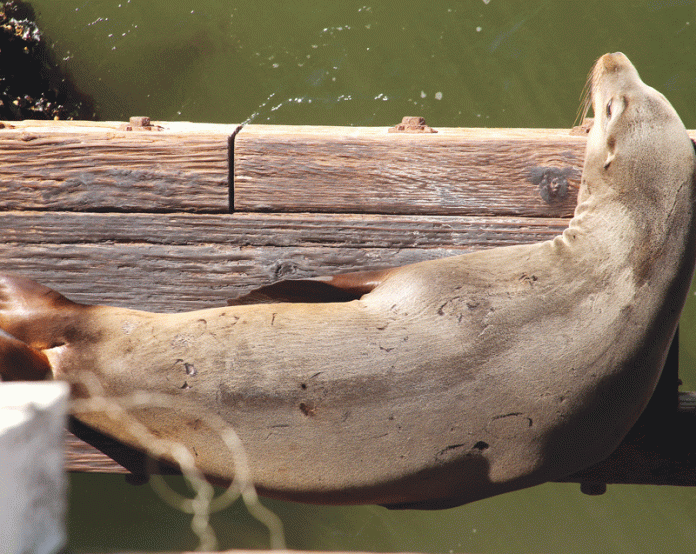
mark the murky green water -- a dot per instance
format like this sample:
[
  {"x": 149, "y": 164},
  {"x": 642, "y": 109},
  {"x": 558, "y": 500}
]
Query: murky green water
[{"x": 457, "y": 63}]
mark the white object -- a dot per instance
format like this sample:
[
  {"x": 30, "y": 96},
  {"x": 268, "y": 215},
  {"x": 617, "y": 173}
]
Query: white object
[{"x": 32, "y": 476}]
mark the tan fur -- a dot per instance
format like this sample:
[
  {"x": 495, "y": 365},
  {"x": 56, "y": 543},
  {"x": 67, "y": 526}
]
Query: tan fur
[{"x": 451, "y": 380}]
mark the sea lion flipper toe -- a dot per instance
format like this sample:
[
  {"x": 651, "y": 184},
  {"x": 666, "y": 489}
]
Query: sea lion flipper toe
[{"x": 336, "y": 288}]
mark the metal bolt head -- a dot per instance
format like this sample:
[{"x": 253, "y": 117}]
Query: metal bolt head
[
  {"x": 412, "y": 124},
  {"x": 411, "y": 121},
  {"x": 139, "y": 121}
]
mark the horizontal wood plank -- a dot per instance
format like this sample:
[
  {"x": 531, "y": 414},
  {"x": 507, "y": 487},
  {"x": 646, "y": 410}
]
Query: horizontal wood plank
[
  {"x": 84, "y": 457},
  {"x": 511, "y": 172},
  {"x": 88, "y": 451},
  {"x": 180, "y": 262},
  {"x": 260, "y": 229},
  {"x": 180, "y": 278},
  {"x": 83, "y": 166},
  {"x": 105, "y": 168}
]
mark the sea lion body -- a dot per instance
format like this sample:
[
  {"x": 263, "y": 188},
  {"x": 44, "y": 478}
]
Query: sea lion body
[{"x": 447, "y": 381}]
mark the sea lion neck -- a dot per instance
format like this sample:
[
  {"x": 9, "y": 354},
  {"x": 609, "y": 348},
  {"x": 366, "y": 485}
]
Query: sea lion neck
[{"x": 637, "y": 188}]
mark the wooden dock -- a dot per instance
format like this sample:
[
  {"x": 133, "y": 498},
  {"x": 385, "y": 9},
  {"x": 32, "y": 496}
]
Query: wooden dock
[{"x": 179, "y": 216}]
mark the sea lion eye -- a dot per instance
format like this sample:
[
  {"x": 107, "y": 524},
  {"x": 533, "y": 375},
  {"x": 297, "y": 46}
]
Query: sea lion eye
[{"x": 609, "y": 108}]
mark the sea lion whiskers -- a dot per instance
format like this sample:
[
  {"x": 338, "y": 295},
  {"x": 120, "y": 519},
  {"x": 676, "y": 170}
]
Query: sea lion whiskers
[
  {"x": 585, "y": 99},
  {"x": 587, "y": 94}
]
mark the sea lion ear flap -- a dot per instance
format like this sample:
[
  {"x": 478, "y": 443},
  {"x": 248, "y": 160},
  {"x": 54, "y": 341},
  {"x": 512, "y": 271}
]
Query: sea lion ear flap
[{"x": 337, "y": 288}]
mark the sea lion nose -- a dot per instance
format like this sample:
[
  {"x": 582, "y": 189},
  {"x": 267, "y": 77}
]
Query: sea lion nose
[{"x": 614, "y": 61}]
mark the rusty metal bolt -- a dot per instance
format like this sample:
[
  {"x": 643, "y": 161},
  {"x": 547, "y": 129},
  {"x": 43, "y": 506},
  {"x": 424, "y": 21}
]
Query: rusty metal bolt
[
  {"x": 140, "y": 121},
  {"x": 412, "y": 124}
]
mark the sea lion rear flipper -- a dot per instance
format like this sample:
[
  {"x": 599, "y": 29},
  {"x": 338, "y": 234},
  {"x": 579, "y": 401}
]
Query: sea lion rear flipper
[
  {"x": 21, "y": 362},
  {"x": 336, "y": 288}
]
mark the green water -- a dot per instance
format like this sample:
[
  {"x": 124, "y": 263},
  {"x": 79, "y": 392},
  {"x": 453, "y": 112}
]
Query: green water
[
  {"x": 457, "y": 63},
  {"x": 503, "y": 63}
]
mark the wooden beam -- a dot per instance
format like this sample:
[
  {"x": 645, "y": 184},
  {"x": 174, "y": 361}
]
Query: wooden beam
[
  {"x": 86, "y": 167},
  {"x": 281, "y": 230},
  {"x": 512, "y": 172},
  {"x": 88, "y": 451},
  {"x": 177, "y": 262}
]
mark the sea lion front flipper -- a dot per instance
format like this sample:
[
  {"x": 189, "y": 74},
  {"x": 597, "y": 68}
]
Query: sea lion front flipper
[{"x": 336, "y": 288}]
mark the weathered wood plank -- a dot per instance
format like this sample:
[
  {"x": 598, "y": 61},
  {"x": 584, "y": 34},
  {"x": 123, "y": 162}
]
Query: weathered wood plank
[
  {"x": 88, "y": 451},
  {"x": 287, "y": 230},
  {"x": 177, "y": 262},
  {"x": 84, "y": 457},
  {"x": 530, "y": 172},
  {"x": 86, "y": 166},
  {"x": 104, "y": 168},
  {"x": 181, "y": 278}
]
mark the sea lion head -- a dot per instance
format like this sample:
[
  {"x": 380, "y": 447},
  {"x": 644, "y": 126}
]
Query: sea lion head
[{"x": 637, "y": 144}]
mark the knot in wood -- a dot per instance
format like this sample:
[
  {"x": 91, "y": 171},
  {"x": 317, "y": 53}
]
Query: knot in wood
[
  {"x": 552, "y": 182},
  {"x": 412, "y": 124}
]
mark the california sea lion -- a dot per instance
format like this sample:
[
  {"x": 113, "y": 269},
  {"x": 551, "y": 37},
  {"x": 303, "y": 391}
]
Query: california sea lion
[{"x": 429, "y": 385}]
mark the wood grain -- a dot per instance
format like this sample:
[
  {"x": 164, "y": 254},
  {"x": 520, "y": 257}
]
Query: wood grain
[
  {"x": 261, "y": 229},
  {"x": 169, "y": 263},
  {"x": 368, "y": 170},
  {"x": 88, "y": 451},
  {"x": 84, "y": 457},
  {"x": 107, "y": 169}
]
